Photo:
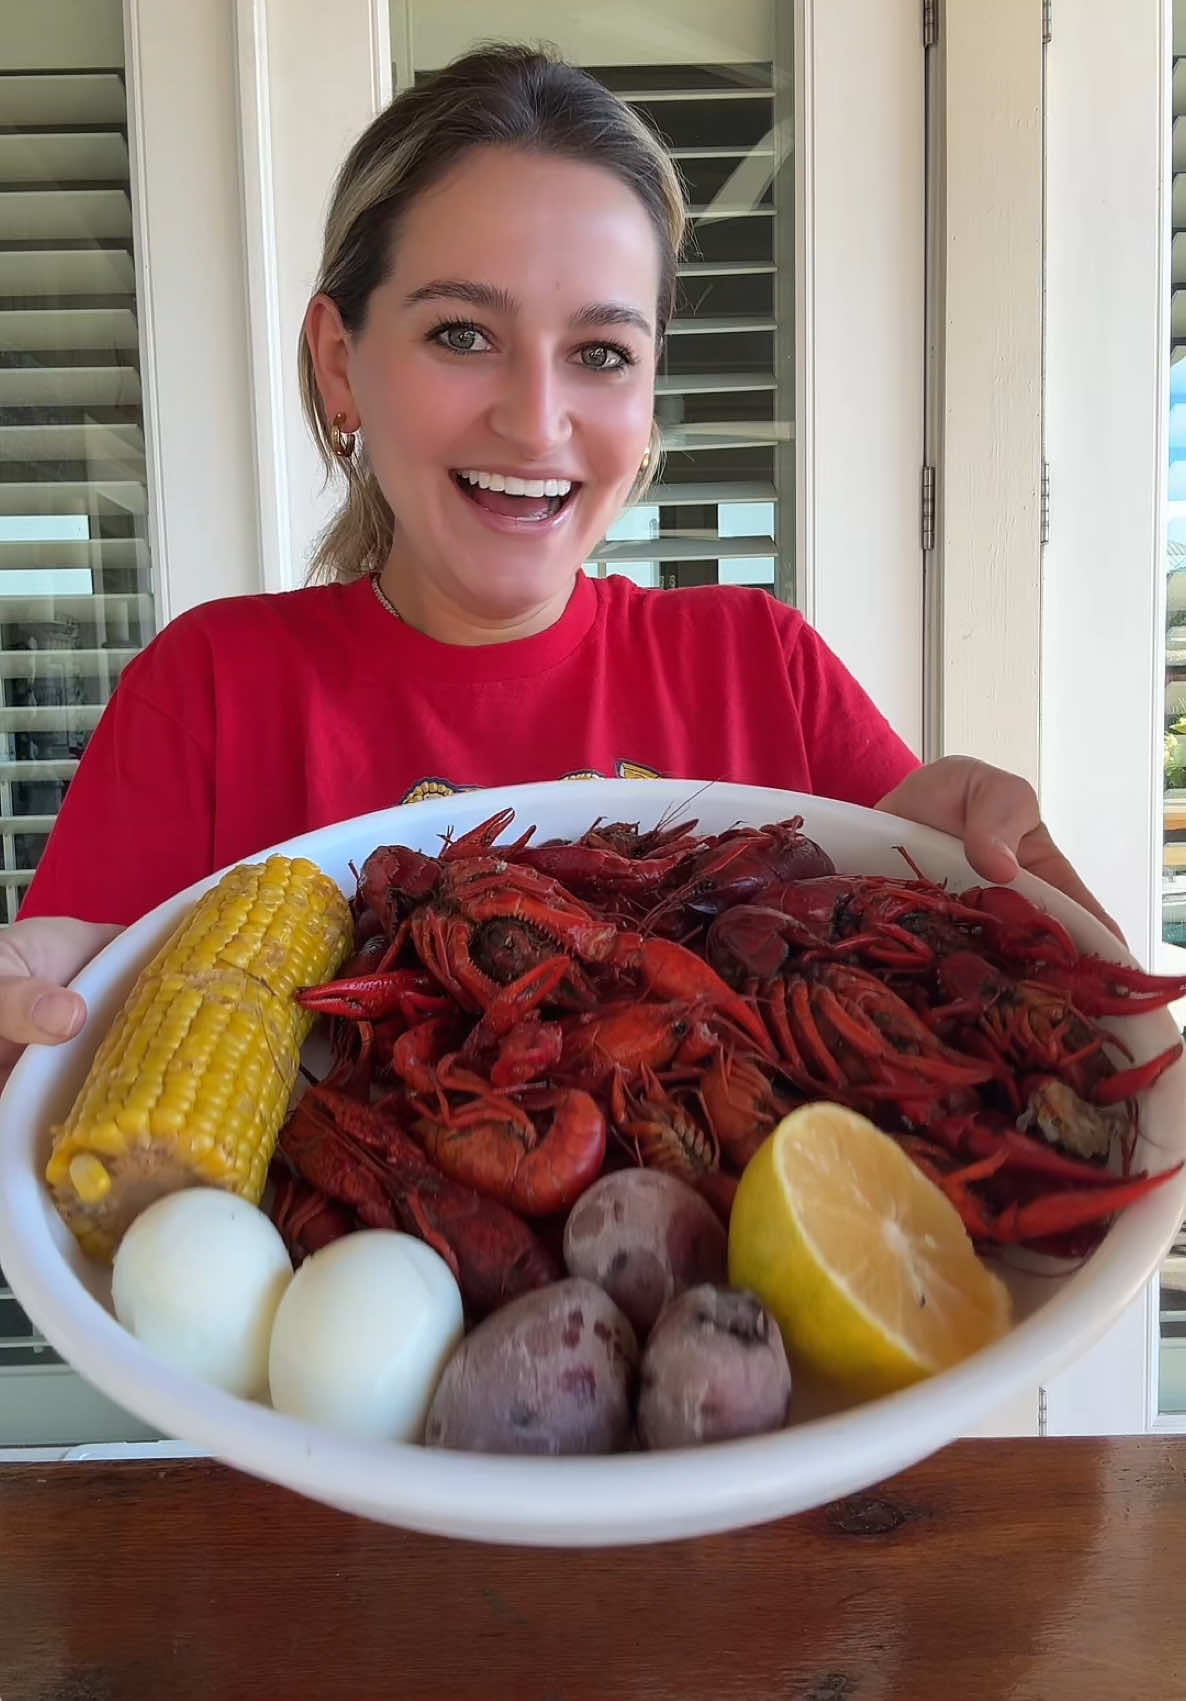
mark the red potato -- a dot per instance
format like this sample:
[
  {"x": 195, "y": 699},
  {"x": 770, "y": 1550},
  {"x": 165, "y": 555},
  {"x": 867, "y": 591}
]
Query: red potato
[
  {"x": 644, "y": 1236},
  {"x": 552, "y": 1372},
  {"x": 714, "y": 1368}
]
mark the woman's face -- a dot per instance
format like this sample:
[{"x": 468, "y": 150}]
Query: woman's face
[{"x": 513, "y": 345}]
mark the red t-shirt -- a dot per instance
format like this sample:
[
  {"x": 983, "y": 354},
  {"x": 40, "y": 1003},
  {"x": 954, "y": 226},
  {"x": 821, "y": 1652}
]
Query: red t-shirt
[{"x": 249, "y": 720}]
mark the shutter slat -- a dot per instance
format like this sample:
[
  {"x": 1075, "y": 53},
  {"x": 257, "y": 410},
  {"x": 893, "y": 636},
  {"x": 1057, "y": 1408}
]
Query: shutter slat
[
  {"x": 724, "y": 434},
  {"x": 19, "y": 773},
  {"x": 89, "y": 97},
  {"x": 708, "y": 383},
  {"x": 88, "y": 611},
  {"x": 13, "y": 824},
  {"x": 706, "y": 495},
  {"x": 59, "y": 443},
  {"x": 56, "y": 717},
  {"x": 684, "y": 549},
  {"x": 29, "y": 272},
  {"x": 73, "y": 496},
  {"x": 732, "y": 210},
  {"x": 1178, "y": 201},
  {"x": 1178, "y": 260},
  {"x": 29, "y": 215},
  {"x": 80, "y": 156},
  {"x": 68, "y": 663},
  {"x": 69, "y": 386},
  {"x": 758, "y": 152},
  {"x": 726, "y": 268},
  {"x": 717, "y": 326},
  {"x": 69, "y": 328},
  {"x": 654, "y": 97},
  {"x": 126, "y": 554}
]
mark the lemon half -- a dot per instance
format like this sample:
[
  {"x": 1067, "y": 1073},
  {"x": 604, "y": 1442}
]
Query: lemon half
[{"x": 863, "y": 1261}]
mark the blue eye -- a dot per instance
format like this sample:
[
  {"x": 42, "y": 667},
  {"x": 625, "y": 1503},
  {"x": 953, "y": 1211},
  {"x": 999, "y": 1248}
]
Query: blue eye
[
  {"x": 605, "y": 357},
  {"x": 460, "y": 337}
]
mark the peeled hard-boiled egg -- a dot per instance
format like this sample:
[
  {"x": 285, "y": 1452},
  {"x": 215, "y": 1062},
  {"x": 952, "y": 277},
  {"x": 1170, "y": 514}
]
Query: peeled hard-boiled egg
[
  {"x": 197, "y": 1279},
  {"x": 362, "y": 1335}
]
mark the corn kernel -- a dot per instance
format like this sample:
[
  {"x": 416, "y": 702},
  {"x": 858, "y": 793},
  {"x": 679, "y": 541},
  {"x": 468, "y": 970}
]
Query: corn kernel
[{"x": 88, "y": 1177}]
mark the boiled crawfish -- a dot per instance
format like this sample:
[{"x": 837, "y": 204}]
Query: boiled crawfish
[
  {"x": 665, "y": 1134},
  {"x": 738, "y": 867},
  {"x": 1035, "y": 1028},
  {"x": 359, "y": 1156},
  {"x": 537, "y": 1164},
  {"x": 686, "y": 992}
]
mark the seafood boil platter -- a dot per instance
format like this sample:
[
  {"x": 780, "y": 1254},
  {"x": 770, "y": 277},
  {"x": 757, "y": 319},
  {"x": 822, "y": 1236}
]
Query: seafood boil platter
[{"x": 594, "y": 1162}]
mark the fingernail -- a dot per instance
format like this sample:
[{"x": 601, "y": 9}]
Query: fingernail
[{"x": 58, "y": 1014}]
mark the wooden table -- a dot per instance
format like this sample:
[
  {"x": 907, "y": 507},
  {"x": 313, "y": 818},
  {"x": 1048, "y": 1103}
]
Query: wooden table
[{"x": 996, "y": 1571}]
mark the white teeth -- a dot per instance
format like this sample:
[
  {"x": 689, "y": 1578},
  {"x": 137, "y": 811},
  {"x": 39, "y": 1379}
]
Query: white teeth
[{"x": 518, "y": 486}]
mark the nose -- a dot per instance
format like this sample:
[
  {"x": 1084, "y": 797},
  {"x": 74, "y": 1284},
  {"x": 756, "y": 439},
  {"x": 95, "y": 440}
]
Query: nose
[{"x": 531, "y": 410}]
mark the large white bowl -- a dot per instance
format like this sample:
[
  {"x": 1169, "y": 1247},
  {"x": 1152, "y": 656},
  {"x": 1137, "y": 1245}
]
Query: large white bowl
[{"x": 628, "y": 1498}]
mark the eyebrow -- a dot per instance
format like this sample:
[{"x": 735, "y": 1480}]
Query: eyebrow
[{"x": 497, "y": 300}]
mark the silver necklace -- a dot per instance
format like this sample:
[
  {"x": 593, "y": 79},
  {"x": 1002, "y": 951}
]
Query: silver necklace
[{"x": 384, "y": 600}]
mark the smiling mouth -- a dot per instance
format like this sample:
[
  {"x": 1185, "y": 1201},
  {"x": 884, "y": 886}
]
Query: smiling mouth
[{"x": 535, "y": 503}]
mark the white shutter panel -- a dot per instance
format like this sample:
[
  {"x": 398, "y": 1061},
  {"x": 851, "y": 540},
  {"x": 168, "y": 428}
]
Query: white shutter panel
[
  {"x": 75, "y": 588},
  {"x": 723, "y": 411}
]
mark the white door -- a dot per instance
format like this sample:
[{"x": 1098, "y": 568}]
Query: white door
[{"x": 166, "y": 176}]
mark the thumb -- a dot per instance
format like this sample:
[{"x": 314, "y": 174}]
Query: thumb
[
  {"x": 1002, "y": 810},
  {"x": 37, "y": 958},
  {"x": 34, "y": 1011}
]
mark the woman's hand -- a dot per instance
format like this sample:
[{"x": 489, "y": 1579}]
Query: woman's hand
[
  {"x": 996, "y": 815},
  {"x": 37, "y": 958}
]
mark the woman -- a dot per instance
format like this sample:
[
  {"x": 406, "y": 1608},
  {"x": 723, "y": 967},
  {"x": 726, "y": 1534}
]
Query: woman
[{"x": 479, "y": 358}]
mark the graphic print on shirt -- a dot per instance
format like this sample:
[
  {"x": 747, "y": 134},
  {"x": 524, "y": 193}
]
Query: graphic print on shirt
[{"x": 436, "y": 787}]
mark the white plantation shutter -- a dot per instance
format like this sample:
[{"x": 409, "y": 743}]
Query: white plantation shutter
[
  {"x": 75, "y": 588},
  {"x": 722, "y": 406}
]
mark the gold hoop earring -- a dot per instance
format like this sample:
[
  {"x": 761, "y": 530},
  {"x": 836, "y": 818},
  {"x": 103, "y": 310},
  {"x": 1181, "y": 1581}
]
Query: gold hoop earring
[
  {"x": 341, "y": 442},
  {"x": 646, "y": 460}
]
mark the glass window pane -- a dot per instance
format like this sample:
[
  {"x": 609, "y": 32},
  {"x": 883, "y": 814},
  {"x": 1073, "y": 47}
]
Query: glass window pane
[
  {"x": 75, "y": 585},
  {"x": 719, "y": 94}
]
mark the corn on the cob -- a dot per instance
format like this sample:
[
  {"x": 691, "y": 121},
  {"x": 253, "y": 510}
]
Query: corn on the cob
[{"x": 191, "y": 1084}]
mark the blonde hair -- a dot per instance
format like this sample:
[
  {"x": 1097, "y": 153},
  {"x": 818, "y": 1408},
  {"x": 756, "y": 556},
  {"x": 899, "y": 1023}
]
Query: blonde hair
[{"x": 497, "y": 96}]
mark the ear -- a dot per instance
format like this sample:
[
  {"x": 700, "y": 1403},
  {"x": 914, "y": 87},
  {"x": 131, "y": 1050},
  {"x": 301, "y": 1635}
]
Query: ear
[{"x": 329, "y": 346}]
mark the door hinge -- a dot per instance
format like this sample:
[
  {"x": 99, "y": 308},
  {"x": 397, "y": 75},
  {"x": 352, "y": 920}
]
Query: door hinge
[
  {"x": 928, "y": 509},
  {"x": 930, "y": 22},
  {"x": 1044, "y": 507},
  {"x": 1046, "y": 20}
]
